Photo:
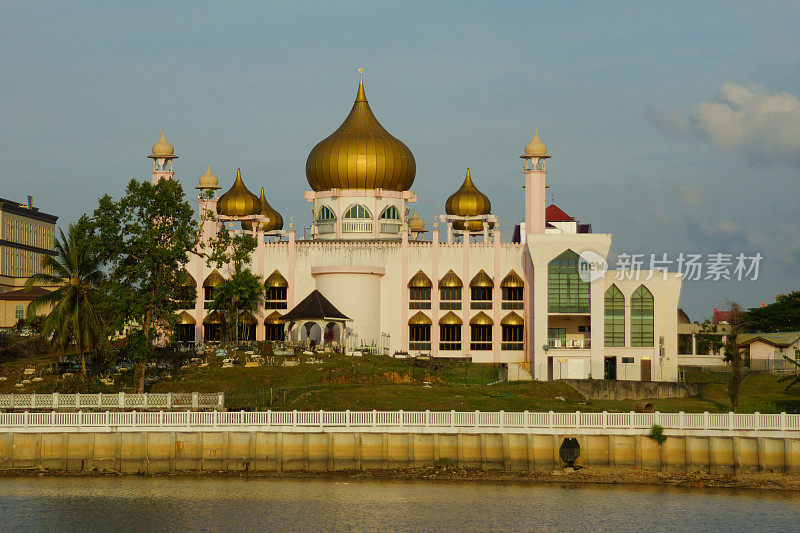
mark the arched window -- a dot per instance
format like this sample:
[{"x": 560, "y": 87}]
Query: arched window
[
  {"x": 276, "y": 291},
  {"x": 450, "y": 332},
  {"x": 513, "y": 332},
  {"x": 324, "y": 213},
  {"x": 211, "y": 282},
  {"x": 481, "y": 291},
  {"x": 390, "y": 213},
  {"x": 19, "y": 312},
  {"x": 419, "y": 332},
  {"x": 614, "y": 317},
  {"x": 512, "y": 288},
  {"x": 184, "y": 328},
  {"x": 642, "y": 317},
  {"x": 481, "y": 332},
  {"x": 273, "y": 325},
  {"x": 566, "y": 291},
  {"x": 450, "y": 291},
  {"x": 358, "y": 211},
  {"x": 419, "y": 291}
]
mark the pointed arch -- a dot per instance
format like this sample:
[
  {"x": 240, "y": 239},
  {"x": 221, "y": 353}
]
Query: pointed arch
[
  {"x": 276, "y": 279},
  {"x": 213, "y": 279},
  {"x": 481, "y": 279},
  {"x": 358, "y": 211},
  {"x": 512, "y": 319},
  {"x": 566, "y": 291},
  {"x": 450, "y": 280},
  {"x": 187, "y": 279},
  {"x": 512, "y": 279},
  {"x": 185, "y": 318},
  {"x": 390, "y": 213},
  {"x": 642, "y": 317},
  {"x": 420, "y": 319},
  {"x": 481, "y": 319},
  {"x": 450, "y": 319},
  {"x": 614, "y": 317},
  {"x": 420, "y": 279},
  {"x": 325, "y": 214}
]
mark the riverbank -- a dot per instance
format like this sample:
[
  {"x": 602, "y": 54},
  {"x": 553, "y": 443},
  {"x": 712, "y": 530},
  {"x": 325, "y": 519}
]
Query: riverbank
[{"x": 452, "y": 474}]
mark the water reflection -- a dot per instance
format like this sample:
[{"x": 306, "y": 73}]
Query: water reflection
[{"x": 188, "y": 503}]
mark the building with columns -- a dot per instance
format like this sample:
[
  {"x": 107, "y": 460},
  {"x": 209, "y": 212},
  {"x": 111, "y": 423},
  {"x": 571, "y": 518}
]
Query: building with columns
[{"x": 543, "y": 304}]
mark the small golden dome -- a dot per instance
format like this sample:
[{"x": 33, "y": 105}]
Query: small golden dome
[
  {"x": 535, "y": 148},
  {"x": 238, "y": 201},
  {"x": 162, "y": 149},
  {"x": 361, "y": 154},
  {"x": 415, "y": 222},
  {"x": 208, "y": 180},
  {"x": 468, "y": 201},
  {"x": 275, "y": 219}
]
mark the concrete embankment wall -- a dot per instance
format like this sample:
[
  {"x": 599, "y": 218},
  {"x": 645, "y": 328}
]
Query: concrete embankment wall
[
  {"x": 157, "y": 451},
  {"x": 599, "y": 389}
]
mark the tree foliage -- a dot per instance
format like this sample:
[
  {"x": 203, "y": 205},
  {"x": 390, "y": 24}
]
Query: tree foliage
[
  {"x": 782, "y": 315},
  {"x": 74, "y": 316},
  {"x": 727, "y": 346},
  {"x": 243, "y": 293},
  {"x": 144, "y": 239}
]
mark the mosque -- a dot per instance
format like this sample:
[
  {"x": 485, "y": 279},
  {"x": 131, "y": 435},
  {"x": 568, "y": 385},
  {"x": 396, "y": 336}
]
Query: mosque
[{"x": 371, "y": 277}]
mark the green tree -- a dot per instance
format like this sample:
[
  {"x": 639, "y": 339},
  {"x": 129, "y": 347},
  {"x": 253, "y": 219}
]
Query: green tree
[
  {"x": 725, "y": 343},
  {"x": 244, "y": 292},
  {"x": 782, "y": 315},
  {"x": 144, "y": 240},
  {"x": 74, "y": 318}
]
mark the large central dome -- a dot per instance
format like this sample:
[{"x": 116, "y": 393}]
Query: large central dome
[{"x": 361, "y": 154}]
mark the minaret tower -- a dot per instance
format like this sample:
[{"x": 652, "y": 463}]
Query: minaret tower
[
  {"x": 535, "y": 154},
  {"x": 162, "y": 156}
]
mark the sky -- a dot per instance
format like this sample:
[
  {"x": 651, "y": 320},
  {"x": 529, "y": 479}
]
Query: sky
[{"x": 674, "y": 126}]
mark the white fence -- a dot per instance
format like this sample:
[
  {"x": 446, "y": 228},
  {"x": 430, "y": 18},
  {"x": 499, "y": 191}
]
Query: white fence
[
  {"x": 121, "y": 400},
  {"x": 398, "y": 421}
]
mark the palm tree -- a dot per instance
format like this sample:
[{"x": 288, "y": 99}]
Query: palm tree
[{"x": 73, "y": 318}]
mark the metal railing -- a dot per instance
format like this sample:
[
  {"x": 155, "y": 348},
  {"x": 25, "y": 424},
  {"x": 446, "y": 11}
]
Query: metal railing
[
  {"x": 570, "y": 344},
  {"x": 120, "y": 400},
  {"x": 401, "y": 421},
  {"x": 352, "y": 226}
]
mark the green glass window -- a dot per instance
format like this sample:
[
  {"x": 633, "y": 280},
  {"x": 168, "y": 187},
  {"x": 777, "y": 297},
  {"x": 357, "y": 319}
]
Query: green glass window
[
  {"x": 390, "y": 213},
  {"x": 325, "y": 213},
  {"x": 614, "y": 317},
  {"x": 358, "y": 211},
  {"x": 566, "y": 291},
  {"x": 19, "y": 312},
  {"x": 642, "y": 317}
]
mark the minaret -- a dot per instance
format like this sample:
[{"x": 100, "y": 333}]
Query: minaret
[
  {"x": 207, "y": 185},
  {"x": 534, "y": 171},
  {"x": 162, "y": 156}
]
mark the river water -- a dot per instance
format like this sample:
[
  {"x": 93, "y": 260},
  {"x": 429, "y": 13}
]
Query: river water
[{"x": 214, "y": 504}]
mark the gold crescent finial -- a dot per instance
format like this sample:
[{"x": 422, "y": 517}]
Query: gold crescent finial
[{"x": 360, "y": 74}]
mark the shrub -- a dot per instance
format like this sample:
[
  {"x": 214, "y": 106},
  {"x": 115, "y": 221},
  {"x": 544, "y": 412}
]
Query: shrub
[{"x": 657, "y": 434}]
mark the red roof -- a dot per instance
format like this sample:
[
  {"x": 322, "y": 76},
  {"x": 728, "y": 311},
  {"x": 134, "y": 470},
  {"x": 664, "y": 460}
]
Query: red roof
[
  {"x": 554, "y": 214},
  {"x": 721, "y": 316},
  {"x": 23, "y": 294}
]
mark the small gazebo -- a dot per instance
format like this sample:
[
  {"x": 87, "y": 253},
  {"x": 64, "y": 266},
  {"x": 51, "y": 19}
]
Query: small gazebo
[{"x": 315, "y": 309}]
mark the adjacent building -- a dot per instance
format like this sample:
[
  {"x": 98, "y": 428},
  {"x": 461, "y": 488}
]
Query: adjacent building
[{"x": 26, "y": 236}]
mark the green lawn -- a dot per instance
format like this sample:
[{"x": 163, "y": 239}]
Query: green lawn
[{"x": 337, "y": 382}]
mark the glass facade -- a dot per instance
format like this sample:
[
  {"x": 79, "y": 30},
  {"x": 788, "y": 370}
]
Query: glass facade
[
  {"x": 566, "y": 291},
  {"x": 642, "y": 317},
  {"x": 614, "y": 317}
]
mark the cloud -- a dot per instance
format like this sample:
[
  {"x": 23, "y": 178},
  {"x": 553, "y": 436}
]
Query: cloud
[{"x": 742, "y": 119}]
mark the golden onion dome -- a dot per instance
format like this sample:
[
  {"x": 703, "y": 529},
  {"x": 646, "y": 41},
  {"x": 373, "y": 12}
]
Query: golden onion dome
[
  {"x": 468, "y": 201},
  {"x": 163, "y": 149},
  {"x": 361, "y": 154},
  {"x": 535, "y": 148},
  {"x": 208, "y": 180},
  {"x": 415, "y": 222},
  {"x": 275, "y": 221},
  {"x": 238, "y": 201}
]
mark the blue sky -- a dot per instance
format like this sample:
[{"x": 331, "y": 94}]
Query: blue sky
[{"x": 673, "y": 126}]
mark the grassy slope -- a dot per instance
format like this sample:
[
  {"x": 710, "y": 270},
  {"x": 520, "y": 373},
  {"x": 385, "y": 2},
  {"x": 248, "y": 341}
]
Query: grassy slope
[{"x": 365, "y": 383}]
